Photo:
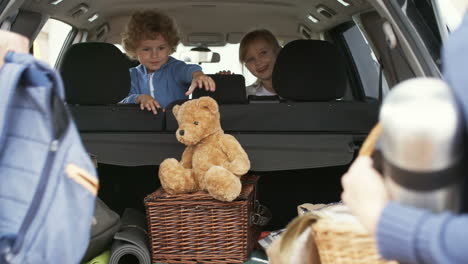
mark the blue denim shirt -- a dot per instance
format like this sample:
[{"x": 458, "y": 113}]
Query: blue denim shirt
[{"x": 170, "y": 82}]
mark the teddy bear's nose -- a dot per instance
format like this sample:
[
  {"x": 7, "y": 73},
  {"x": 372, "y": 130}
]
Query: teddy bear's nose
[{"x": 181, "y": 132}]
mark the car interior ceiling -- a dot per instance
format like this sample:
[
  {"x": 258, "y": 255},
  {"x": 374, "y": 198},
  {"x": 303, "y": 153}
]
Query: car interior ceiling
[{"x": 306, "y": 174}]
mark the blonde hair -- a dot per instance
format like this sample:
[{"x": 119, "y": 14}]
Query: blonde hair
[
  {"x": 148, "y": 25},
  {"x": 252, "y": 36}
]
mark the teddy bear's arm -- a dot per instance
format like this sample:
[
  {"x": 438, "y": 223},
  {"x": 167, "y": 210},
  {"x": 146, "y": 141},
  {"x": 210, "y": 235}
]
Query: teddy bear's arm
[
  {"x": 239, "y": 162},
  {"x": 186, "y": 160}
]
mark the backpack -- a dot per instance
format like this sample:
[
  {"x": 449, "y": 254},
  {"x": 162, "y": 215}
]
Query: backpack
[{"x": 48, "y": 183}]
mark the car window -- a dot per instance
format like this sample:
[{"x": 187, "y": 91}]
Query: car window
[
  {"x": 50, "y": 40},
  {"x": 3, "y": 4},
  {"x": 367, "y": 65},
  {"x": 229, "y": 55},
  {"x": 229, "y": 60},
  {"x": 421, "y": 15}
]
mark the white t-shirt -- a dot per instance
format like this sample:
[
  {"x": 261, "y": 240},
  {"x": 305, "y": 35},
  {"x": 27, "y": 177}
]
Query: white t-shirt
[
  {"x": 258, "y": 89},
  {"x": 151, "y": 84}
]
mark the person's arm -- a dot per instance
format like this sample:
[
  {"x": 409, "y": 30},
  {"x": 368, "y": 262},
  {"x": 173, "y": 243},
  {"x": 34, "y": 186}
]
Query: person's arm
[
  {"x": 225, "y": 72},
  {"x": 200, "y": 80},
  {"x": 130, "y": 99},
  {"x": 136, "y": 97},
  {"x": 149, "y": 103},
  {"x": 185, "y": 71},
  {"x": 405, "y": 234},
  {"x": 10, "y": 41},
  {"x": 144, "y": 100},
  {"x": 193, "y": 74},
  {"x": 364, "y": 192},
  {"x": 134, "y": 91},
  {"x": 412, "y": 235}
]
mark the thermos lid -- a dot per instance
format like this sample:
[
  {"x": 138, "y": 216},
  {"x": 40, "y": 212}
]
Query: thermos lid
[{"x": 421, "y": 127}]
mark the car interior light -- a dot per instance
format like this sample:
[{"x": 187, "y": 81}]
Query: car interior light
[
  {"x": 344, "y": 2},
  {"x": 313, "y": 19},
  {"x": 304, "y": 31},
  {"x": 102, "y": 30},
  {"x": 79, "y": 10},
  {"x": 55, "y": 2},
  {"x": 93, "y": 17},
  {"x": 325, "y": 11}
]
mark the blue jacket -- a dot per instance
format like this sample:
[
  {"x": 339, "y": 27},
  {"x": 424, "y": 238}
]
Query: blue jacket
[
  {"x": 412, "y": 235},
  {"x": 170, "y": 82}
]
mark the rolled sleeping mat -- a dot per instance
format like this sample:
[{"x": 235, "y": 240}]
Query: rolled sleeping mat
[{"x": 132, "y": 239}]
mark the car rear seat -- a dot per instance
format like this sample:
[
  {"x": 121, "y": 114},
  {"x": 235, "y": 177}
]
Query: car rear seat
[
  {"x": 96, "y": 78},
  {"x": 310, "y": 76},
  {"x": 310, "y": 70},
  {"x": 230, "y": 89}
]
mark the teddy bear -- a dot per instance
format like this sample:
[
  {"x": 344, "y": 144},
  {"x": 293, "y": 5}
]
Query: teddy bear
[{"x": 212, "y": 161}]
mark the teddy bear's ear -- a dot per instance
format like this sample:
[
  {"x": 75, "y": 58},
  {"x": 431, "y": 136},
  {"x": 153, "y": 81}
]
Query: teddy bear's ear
[
  {"x": 209, "y": 103},
  {"x": 175, "y": 110}
]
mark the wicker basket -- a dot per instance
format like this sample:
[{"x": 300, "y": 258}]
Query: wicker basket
[
  {"x": 192, "y": 228},
  {"x": 340, "y": 242},
  {"x": 345, "y": 243}
]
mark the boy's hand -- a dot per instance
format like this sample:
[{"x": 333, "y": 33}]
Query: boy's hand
[
  {"x": 201, "y": 80},
  {"x": 225, "y": 72},
  {"x": 10, "y": 41},
  {"x": 364, "y": 192},
  {"x": 148, "y": 102}
]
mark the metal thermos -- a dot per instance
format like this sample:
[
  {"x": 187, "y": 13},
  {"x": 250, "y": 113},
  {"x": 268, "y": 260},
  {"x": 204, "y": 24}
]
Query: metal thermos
[{"x": 421, "y": 145}]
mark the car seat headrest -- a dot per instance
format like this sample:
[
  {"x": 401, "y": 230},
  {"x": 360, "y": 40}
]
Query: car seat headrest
[
  {"x": 230, "y": 89},
  {"x": 94, "y": 74},
  {"x": 310, "y": 70}
]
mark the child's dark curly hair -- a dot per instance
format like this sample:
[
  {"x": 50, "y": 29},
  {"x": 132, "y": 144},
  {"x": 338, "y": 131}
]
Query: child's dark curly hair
[{"x": 147, "y": 25}]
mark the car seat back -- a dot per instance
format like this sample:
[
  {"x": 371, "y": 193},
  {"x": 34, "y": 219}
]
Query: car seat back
[
  {"x": 95, "y": 74},
  {"x": 230, "y": 89},
  {"x": 310, "y": 70}
]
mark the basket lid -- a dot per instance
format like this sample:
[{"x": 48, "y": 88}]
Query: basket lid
[{"x": 248, "y": 186}]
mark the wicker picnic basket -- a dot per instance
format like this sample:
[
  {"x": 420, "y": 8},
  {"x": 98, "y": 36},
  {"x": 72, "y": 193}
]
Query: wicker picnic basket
[
  {"x": 343, "y": 242},
  {"x": 193, "y": 228},
  {"x": 340, "y": 241}
]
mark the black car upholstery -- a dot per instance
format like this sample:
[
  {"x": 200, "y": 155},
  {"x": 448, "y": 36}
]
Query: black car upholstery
[
  {"x": 230, "y": 89},
  {"x": 310, "y": 70},
  {"x": 96, "y": 78},
  {"x": 93, "y": 74}
]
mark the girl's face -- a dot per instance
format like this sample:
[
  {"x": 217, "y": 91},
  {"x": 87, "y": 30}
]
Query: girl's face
[
  {"x": 260, "y": 59},
  {"x": 153, "y": 53}
]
